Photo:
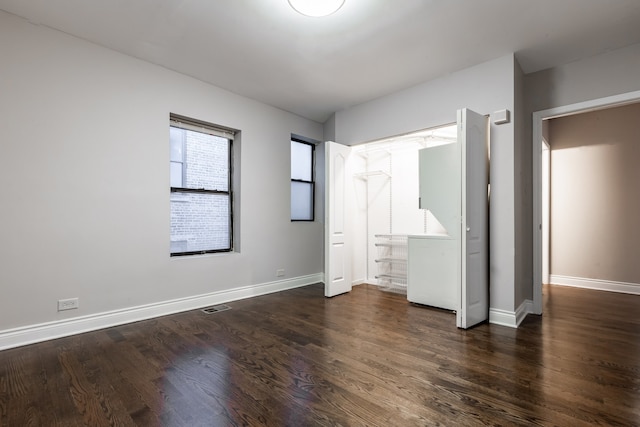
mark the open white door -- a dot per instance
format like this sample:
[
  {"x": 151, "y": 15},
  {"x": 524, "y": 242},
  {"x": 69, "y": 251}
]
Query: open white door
[
  {"x": 474, "y": 289},
  {"x": 337, "y": 244}
]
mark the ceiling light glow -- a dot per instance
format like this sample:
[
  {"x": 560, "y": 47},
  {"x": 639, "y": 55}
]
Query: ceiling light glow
[{"x": 316, "y": 7}]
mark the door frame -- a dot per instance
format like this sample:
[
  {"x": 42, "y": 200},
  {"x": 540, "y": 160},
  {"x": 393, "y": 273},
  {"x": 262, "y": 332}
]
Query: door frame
[
  {"x": 537, "y": 118},
  {"x": 546, "y": 207}
]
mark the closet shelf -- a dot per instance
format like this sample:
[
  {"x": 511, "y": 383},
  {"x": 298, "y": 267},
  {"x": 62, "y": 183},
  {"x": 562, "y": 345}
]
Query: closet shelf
[
  {"x": 367, "y": 175},
  {"x": 365, "y": 153},
  {"x": 396, "y": 260},
  {"x": 391, "y": 244},
  {"x": 392, "y": 277},
  {"x": 392, "y": 262}
]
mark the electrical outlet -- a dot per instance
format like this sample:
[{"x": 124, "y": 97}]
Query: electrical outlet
[
  {"x": 68, "y": 304},
  {"x": 280, "y": 272}
]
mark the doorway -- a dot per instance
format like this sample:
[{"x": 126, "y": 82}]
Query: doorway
[{"x": 538, "y": 182}]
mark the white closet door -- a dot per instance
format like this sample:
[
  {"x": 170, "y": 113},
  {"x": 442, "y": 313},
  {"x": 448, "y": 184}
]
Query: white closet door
[
  {"x": 337, "y": 244},
  {"x": 474, "y": 292}
]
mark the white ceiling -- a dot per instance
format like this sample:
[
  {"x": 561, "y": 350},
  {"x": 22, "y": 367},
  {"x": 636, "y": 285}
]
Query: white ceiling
[{"x": 312, "y": 67}]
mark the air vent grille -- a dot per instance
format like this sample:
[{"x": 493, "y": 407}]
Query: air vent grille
[{"x": 215, "y": 308}]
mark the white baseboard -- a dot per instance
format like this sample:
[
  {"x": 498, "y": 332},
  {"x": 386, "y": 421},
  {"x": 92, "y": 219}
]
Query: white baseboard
[
  {"x": 46, "y": 331},
  {"x": 598, "y": 284},
  {"x": 511, "y": 319}
]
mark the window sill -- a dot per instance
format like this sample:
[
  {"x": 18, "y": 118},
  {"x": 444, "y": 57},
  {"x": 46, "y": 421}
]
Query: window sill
[{"x": 209, "y": 255}]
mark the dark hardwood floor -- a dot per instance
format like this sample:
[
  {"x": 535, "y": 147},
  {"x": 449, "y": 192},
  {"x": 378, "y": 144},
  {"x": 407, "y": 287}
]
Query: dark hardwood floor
[{"x": 369, "y": 358}]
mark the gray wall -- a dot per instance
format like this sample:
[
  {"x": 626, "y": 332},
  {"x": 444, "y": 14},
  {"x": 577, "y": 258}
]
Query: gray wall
[
  {"x": 523, "y": 199},
  {"x": 612, "y": 73},
  {"x": 85, "y": 194},
  {"x": 484, "y": 88},
  {"x": 595, "y": 201}
]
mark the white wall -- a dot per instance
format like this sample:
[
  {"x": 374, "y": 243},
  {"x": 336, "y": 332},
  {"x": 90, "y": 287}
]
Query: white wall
[
  {"x": 484, "y": 88},
  {"x": 85, "y": 182},
  {"x": 358, "y": 218}
]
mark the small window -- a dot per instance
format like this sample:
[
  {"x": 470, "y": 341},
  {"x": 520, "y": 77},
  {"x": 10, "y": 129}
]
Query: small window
[
  {"x": 302, "y": 181},
  {"x": 201, "y": 196}
]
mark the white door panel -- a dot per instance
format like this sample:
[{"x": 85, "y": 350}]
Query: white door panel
[
  {"x": 337, "y": 262},
  {"x": 337, "y": 234},
  {"x": 474, "y": 290}
]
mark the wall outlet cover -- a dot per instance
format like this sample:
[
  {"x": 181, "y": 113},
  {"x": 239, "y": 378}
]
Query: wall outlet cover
[{"x": 68, "y": 304}]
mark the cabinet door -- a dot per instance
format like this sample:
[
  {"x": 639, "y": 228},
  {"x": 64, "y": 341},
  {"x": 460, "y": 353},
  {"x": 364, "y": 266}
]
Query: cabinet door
[
  {"x": 433, "y": 271},
  {"x": 440, "y": 185}
]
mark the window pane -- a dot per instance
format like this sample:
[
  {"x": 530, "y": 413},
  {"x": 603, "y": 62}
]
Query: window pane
[
  {"x": 176, "y": 174},
  {"x": 176, "y": 137},
  {"x": 301, "y": 161},
  {"x": 207, "y": 159},
  {"x": 200, "y": 222},
  {"x": 301, "y": 201}
]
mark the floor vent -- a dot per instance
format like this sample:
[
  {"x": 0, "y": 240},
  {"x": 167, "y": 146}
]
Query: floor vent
[{"x": 216, "y": 308}]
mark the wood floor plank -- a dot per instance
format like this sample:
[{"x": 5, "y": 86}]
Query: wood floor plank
[
  {"x": 265, "y": 376},
  {"x": 369, "y": 357}
]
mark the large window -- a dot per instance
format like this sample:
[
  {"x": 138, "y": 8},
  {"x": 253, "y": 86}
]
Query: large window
[
  {"x": 201, "y": 196},
  {"x": 302, "y": 181}
]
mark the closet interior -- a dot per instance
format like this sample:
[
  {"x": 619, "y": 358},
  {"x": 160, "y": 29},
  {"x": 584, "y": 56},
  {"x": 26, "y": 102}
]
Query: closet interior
[{"x": 386, "y": 181}]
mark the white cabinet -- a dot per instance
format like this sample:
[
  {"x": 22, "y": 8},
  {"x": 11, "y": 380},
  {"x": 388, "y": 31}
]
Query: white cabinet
[
  {"x": 433, "y": 271},
  {"x": 434, "y": 260}
]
